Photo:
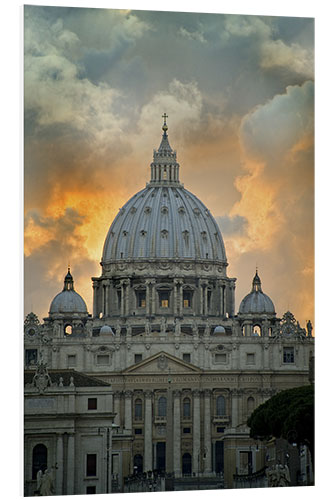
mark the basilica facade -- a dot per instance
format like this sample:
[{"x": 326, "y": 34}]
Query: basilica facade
[{"x": 181, "y": 370}]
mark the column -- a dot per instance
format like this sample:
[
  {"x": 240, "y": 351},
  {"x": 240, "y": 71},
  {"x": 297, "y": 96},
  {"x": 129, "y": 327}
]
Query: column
[
  {"x": 169, "y": 434},
  {"x": 176, "y": 434},
  {"x": 196, "y": 432},
  {"x": 60, "y": 465},
  {"x": 201, "y": 298},
  {"x": 116, "y": 407},
  {"x": 207, "y": 432},
  {"x": 95, "y": 309},
  {"x": 127, "y": 286},
  {"x": 122, "y": 298},
  {"x": 70, "y": 465},
  {"x": 221, "y": 298},
  {"x": 232, "y": 310},
  {"x": 147, "y": 283},
  {"x": 181, "y": 300},
  {"x": 224, "y": 301},
  {"x": 153, "y": 297},
  {"x": 175, "y": 297},
  {"x": 107, "y": 299},
  {"x": 148, "y": 458},
  {"x": 234, "y": 407},
  {"x": 128, "y": 410}
]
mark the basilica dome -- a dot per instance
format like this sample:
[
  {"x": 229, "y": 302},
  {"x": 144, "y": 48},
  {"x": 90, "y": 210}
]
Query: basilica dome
[
  {"x": 164, "y": 220},
  {"x": 256, "y": 301},
  {"x": 68, "y": 301}
]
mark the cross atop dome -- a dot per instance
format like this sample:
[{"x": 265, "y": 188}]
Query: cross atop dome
[{"x": 165, "y": 126}]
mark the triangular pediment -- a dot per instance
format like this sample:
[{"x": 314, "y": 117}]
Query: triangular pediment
[{"x": 160, "y": 363}]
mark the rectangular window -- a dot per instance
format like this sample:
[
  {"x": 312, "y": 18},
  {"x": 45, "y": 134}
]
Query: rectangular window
[
  {"x": 91, "y": 490},
  {"x": 221, "y": 358},
  {"x": 71, "y": 360},
  {"x": 30, "y": 357},
  {"x": 220, "y": 429},
  {"x": 92, "y": 403},
  {"x": 137, "y": 431},
  {"x": 187, "y": 357},
  {"x": 91, "y": 464},
  {"x": 141, "y": 299},
  {"x": 187, "y": 296},
  {"x": 288, "y": 355},
  {"x": 137, "y": 358},
  {"x": 164, "y": 299},
  {"x": 103, "y": 359},
  {"x": 250, "y": 359},
  {"x": 209, "y": 299},
  {"x": 186, "y": 430}
]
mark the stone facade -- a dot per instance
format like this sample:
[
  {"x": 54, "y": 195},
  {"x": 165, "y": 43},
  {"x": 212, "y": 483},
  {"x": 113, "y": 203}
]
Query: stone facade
[{"x": 185, "y": 370}]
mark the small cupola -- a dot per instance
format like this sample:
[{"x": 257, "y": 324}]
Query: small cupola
[{"x": 68, "y": 281}]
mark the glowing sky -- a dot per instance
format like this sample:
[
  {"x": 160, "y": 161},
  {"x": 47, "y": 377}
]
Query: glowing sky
[{"x": 238, "y": 91}]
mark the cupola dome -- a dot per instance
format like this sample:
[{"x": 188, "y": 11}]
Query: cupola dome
[
  {"x": 256, "y": 301},
  {"x": 68, "y": 301}
]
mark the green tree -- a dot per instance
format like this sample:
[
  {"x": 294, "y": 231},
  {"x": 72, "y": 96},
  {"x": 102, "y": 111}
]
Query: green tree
[{"x": 289, "y": 414}]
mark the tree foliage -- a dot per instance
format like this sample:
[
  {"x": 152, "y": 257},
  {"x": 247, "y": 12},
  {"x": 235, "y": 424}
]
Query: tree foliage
[{"x": 289, "y": 414}]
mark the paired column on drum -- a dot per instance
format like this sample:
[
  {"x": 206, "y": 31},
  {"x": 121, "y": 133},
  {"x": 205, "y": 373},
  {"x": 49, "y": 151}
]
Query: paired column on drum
[
  {"x": 150, "y": 297},
  {"x": 148, "y": 454},
  {"x": 124, "y": 291}
]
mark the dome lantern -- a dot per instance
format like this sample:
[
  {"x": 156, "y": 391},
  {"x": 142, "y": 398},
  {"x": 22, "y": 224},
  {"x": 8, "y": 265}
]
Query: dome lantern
[{"x": 164, "y": 168}]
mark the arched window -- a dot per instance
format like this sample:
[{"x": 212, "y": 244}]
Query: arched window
[
  {"x": 68, "y": 330},
  {"x": 162, "y": 407},
  {"x": 138, "y": 409},
  {"x": 220, "y": 406},
  {"x": 187, "y": 408},
  {"x": 256, "y": 331},
  {"x": 250, "y": 405},
  {"x": 39, "y": 459},
  {"x": 186, "y": 464}
]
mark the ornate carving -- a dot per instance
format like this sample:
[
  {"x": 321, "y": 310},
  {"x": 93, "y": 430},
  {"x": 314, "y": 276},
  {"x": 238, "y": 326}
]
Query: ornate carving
[
  {"x": 162, "y": 362},
  {"x": 41, "y": 379}
]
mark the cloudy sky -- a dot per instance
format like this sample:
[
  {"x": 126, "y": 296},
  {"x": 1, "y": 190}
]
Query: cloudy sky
[{"x": 239, "y": 94}]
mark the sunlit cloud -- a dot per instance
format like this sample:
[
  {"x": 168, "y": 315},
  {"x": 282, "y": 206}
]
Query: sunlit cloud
[{"x": 96, "y": 85}]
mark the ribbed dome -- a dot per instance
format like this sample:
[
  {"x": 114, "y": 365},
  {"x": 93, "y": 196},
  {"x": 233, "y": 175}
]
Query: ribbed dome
[
  {"x": 164, "y": 220},
  {"x": 68, "y": 301},
  {"x": 256, "y": 301}
]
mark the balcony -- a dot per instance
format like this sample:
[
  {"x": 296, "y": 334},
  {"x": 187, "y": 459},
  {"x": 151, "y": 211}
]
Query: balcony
[
  {"x": 221, "y": 419},
  {"x": 159, "y": 420}
]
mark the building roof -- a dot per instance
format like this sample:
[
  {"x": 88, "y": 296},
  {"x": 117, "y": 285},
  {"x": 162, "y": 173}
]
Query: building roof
[{"x": 79, "y": 379}]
